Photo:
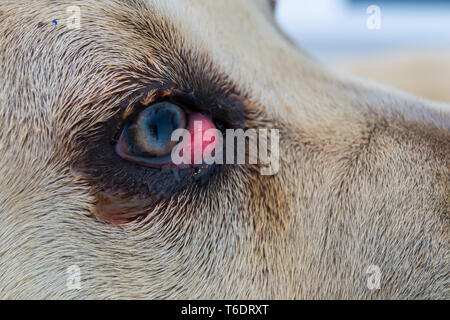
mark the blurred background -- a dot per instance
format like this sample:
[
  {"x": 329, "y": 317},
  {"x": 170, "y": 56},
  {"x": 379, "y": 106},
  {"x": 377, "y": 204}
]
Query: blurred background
[{"x": 402, "y": 43}]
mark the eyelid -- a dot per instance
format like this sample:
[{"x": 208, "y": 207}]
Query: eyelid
[
  {"x": 142, "y": 101},
  {"x": 155, "y": 95}
]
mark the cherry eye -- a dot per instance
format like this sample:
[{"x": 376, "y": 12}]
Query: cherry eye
[
  {"x": 147, "y": 139},
  {"x": 149, "y": 134}
]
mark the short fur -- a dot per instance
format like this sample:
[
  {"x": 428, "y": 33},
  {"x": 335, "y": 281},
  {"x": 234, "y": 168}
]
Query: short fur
[{"x": 364, "y": 173}]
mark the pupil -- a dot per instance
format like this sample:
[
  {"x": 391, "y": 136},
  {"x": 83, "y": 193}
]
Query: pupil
[
  {"x": 151, "y": 132},
  {"x": 161, "y": 123}
]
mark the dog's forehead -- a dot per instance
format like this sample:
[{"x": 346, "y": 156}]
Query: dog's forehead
[
  {"x": 243, "y": 38},
  {"x": 239, "y": 37}
]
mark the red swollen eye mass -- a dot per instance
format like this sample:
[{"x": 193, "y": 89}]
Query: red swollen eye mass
[{"x": 197, "y": 126}]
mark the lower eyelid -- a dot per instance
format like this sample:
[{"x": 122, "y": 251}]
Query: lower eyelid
[{"x": 159, "y": 162}]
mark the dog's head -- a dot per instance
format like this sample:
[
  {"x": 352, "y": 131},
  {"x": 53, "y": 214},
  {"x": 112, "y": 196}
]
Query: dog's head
[{"x": 363, "y": 175}]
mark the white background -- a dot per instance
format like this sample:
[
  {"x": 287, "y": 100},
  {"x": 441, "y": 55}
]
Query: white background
[{"x": 337, "y": 28}]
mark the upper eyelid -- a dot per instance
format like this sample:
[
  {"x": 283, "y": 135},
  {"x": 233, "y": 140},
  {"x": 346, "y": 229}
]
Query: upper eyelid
[
  {"x": 139, "y": 102},
  {"x": 205, "y": 102},
  {"x": 131, "y": 104},
  {"x": 145, "y": 98}
]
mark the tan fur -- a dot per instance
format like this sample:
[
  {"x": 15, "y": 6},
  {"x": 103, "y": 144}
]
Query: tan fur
[{"x": 363, "y": 180}]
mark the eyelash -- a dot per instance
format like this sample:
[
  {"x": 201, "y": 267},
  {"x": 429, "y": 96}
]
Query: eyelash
[{"x": 137, "y": 105}]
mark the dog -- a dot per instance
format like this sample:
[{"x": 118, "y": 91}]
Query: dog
[{"x": 359, "y": 208}]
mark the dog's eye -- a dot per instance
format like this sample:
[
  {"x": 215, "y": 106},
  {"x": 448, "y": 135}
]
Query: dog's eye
[{"x": 146, "y": 139}]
